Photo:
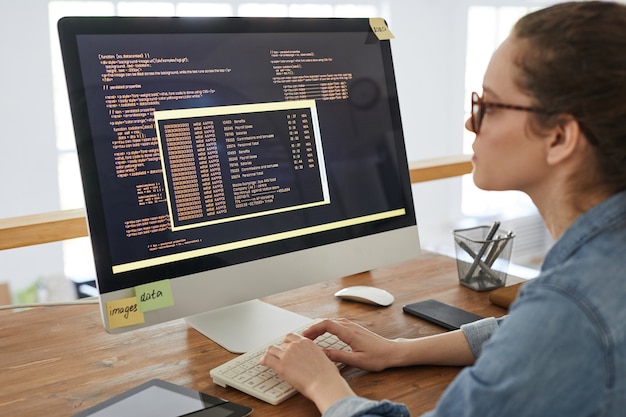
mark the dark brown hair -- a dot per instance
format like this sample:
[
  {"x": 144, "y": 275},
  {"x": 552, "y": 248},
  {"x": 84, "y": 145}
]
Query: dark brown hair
[{"x": 572, "y": 61}]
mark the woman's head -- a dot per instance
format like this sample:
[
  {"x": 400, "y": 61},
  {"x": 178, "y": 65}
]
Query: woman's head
[{"x": 571, "y": 61}]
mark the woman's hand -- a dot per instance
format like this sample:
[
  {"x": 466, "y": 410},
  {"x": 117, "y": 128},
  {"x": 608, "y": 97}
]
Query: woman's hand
[
  {"x": 369, "y": 350},
  {"x": 373, "y": 352},
  {"x": 304, "y": 365}
]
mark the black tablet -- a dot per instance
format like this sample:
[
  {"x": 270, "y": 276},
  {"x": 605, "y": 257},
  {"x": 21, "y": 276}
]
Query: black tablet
[{"x": 158, "y": 398}]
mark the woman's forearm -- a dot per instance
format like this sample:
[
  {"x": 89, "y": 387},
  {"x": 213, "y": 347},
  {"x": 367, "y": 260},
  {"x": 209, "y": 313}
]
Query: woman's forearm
[{"x": 451, "y": 349}]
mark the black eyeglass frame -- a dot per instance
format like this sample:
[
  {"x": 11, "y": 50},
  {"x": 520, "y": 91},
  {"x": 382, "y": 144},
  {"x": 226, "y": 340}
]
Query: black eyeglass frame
[{"x": 479, "y": 106}]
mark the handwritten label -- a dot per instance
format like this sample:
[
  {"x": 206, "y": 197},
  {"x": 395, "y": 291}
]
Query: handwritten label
[
  {"x": 124, "y": 312},
  {"x": 379, "y": 26},
  {"x": 154, "y": 295}
]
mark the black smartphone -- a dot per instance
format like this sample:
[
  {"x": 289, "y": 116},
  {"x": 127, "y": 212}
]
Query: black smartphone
[{"x": 441, "y": 314}]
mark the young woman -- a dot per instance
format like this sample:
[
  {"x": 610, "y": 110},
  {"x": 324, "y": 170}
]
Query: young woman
[{"x": 551, "y": 122}]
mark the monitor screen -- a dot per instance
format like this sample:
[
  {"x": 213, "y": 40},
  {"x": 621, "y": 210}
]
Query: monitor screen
[{"x": 226, "y": 159}]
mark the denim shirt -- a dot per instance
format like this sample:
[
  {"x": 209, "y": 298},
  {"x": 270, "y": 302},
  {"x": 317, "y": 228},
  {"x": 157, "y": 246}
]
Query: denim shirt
[{"x": 561, "y": 351}]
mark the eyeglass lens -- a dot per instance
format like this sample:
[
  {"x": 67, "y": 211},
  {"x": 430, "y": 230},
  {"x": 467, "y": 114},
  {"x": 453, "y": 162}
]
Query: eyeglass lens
[{"x": 477, "y": 112}]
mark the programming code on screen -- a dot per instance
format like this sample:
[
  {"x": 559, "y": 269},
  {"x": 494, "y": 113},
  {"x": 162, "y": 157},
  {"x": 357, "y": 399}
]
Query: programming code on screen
[{"x": 210, "y": 142}]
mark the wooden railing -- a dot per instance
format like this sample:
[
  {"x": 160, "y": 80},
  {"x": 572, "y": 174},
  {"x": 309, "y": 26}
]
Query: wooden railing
[{"x": 36, "y": 229}]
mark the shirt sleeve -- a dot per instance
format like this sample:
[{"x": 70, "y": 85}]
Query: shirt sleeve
[
  {"x": 478, "y": 332},
  {"x": 533, "y": 365},
  {"x": 362, "y": 407}
]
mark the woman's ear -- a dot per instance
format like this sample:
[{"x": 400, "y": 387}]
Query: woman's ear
[{"x": 564, "y": 141}]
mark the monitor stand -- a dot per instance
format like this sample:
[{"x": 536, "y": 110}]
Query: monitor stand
[{"x": 242, "y": 327}]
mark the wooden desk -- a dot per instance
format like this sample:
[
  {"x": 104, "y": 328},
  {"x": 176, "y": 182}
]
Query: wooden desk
[{"x": 56, "y": 361}]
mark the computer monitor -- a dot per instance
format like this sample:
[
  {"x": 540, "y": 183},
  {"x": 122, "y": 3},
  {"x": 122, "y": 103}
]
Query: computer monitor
[{"x": 227, "y": 159}]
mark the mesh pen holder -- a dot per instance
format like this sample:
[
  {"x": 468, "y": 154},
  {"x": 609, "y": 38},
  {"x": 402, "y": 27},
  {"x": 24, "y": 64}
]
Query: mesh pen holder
[{"x": 482, "y": 263}]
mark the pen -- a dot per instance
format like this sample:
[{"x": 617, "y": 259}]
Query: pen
[
  {"x": 492, "y": 231},
  {"x": 498, "y": 248},
  {"x": 485, "y": 268}
]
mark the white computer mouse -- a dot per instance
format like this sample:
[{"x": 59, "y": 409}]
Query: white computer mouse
[{"x": 366, "y": 294}]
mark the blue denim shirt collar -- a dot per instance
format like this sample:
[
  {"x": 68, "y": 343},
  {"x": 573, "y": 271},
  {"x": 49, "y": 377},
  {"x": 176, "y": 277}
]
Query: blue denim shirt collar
[{"x": 610, "y": 213}]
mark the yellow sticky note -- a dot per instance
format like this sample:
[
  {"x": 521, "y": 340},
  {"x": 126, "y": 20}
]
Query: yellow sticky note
[
  {"x": 379, "y": 26},
  {"x": 124, "y": 312},
  {"x": 154, "y": 295}
]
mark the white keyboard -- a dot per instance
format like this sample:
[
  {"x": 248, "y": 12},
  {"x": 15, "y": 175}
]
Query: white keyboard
[{"x": 247, "y": 375}]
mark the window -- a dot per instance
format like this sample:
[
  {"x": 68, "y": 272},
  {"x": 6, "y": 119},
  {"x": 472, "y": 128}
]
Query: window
[
  {"x": 77, "y": 255},
  {"x": 487, "y": 27}
]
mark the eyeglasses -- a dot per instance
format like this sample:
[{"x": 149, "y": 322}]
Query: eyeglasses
[{"x": 479, "y": 106}]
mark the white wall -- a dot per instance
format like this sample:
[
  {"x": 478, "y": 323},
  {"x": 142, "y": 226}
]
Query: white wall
[
  {"x": 429, "y": 58},
  {"x": 429, "y": 50},
  {"x": 28, "y": 161}
]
